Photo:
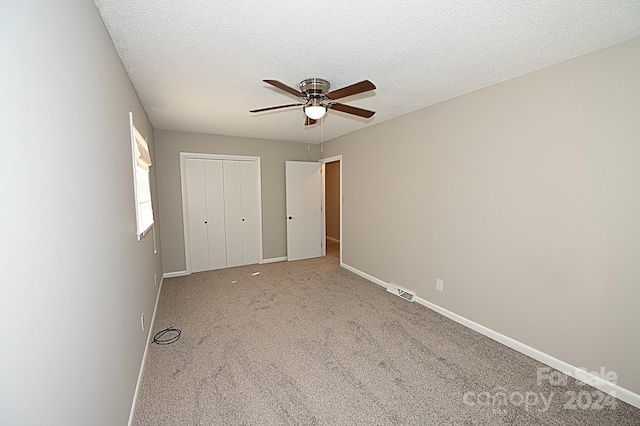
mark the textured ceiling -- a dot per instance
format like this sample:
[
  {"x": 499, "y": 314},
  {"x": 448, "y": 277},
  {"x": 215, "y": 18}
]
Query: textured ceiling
[{"x": 198, "y": 65}]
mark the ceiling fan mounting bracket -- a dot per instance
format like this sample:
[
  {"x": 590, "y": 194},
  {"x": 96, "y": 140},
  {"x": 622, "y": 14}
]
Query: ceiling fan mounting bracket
[{"x": 314, "y": 86}]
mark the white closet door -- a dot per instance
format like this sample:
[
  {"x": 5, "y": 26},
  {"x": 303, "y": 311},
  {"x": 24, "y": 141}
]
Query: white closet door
[
  {"x": 250, "y": 212},
  {"x": 233, "y": 212},
  {"x": 222, "y": 214},
  {"x": 196, "y": 201},
  {"x": 215, "y": 214}
]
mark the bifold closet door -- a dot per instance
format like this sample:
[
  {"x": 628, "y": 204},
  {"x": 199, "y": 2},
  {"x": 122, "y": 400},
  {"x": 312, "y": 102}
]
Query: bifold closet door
[
  {"x": 223, "y": 213},
  {"x": 215, "y": 214},
  {"x": 249, "y": 182},
  {"x": 206, "y": 214},
  {"x": 197, "y": 202},
  {"x": 241, "y": 212},
  {"x": 233, "y": 212}
]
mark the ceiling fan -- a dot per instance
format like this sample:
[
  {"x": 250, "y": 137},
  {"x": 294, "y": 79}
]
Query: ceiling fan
[{"x": 316, "y": 98}]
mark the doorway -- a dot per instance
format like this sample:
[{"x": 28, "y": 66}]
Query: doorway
[{"x": 332, "y": 206}]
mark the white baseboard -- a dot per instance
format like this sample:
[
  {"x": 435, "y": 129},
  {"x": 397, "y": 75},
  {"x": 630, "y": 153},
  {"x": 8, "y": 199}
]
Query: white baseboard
[
  {"x": 144, "y": 356},
  {"x": 335, "y": 240},
  {"x": 578, "y": 373},
  {"x": 275, "y": 259},
  {"x": 175, "y": 274},
  {"x": 364, "y": 275}
]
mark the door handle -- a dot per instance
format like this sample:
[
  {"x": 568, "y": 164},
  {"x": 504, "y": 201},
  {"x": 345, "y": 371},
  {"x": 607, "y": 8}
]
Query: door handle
[
  {"x": 205, "y": 221},
  {"x": 290, "y": 217}
]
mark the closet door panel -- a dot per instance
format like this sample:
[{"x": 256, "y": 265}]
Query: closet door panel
[
  {"x": 215, "y": 214},
  {"x": 196, "y": 202},
  {"x": 250, "y": 212},
  {"x": 233, "y": 212}
]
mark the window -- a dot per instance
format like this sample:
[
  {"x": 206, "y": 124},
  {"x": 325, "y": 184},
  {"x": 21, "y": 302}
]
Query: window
[{"x": 141, "y": 164}]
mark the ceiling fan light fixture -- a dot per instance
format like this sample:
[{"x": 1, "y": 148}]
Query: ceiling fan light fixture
[
  {"x": 314, "y": 109},
  {"x": 315, "y": 112}
]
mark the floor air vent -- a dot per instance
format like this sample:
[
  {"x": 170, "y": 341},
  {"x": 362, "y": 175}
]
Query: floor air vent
[{"x": 405, "y": 294}]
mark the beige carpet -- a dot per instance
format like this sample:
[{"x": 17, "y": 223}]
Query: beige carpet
[{"x": 309, "y": 343}]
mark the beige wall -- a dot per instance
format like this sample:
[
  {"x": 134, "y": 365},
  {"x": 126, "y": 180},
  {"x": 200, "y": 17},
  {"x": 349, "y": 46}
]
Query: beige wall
[
  {"x": 332, "y": 199},
  {"x": 272, "y": 155},
  {"x": 524, "y": 198},
  {"x": 75, "y": 280}
]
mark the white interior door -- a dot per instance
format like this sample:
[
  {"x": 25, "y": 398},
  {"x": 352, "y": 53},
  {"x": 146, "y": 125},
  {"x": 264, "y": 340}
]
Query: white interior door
[{"x": 304, "y": 209}]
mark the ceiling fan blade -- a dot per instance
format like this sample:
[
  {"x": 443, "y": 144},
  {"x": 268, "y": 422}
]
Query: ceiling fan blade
[
  {"x": 354, "y": 89},
  {"x": 284, "y": 87},
  {"x": 274, "y": 107},
  {"x": 352, "y": 110},
  {"x": 309, "y": 121}
]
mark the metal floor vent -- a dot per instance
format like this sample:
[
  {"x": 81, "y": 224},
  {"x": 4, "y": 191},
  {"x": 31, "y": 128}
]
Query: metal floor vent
[{"x": 400, "y": 292}]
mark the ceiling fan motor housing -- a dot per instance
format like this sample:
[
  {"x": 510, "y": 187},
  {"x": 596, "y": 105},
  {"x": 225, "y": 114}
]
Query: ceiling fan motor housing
[{"x": 314, "y": 86}]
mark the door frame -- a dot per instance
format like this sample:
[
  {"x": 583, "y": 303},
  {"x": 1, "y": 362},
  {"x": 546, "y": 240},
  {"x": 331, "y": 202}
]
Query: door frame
[
  {"x": 324, "y": 161},
  {"x": 185, "y": 202}
]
